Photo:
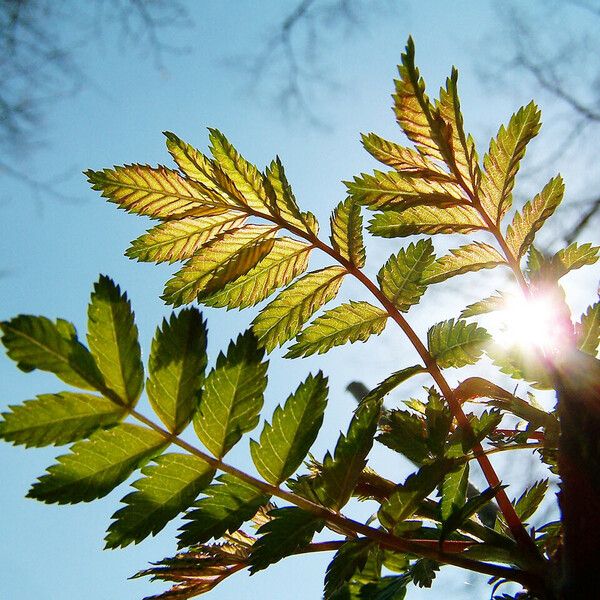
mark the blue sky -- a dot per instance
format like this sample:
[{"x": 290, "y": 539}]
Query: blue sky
[{"x": 53, "y": 250}]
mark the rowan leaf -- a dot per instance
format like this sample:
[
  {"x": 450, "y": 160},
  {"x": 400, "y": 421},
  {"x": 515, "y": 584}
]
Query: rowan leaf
[
  {"x": 393, "y": 381},
  {"x": 454, "y": 491},
  {"x": 340, "y": 473},
  {"x": 530, "y": 499},
  {"x": 232, "y": 396},
  {"x": 159, "y": 193},
  {"x": 192, "y": 162},
  {"x": 392, "y": 190},
  {"x": 226, "y": 506},
  {"x": 405, "y": 433},
  {"x": 38, "y": 343},
  {"x": 402, "y": 159},
  {"x": 588, "y": 330},
  {"x": 456, "y": 343},
  {"x": 490, "y": 304},
  {"x": 221, "y": 261},
  {"x": 503, "y": 159},
  {"x": 168, "y": 487},
  {"x": 176, "y": 368},
  {"x": 113, "y": 341},
  {"x": 426, "y": 219},
  {"x": 346, "y": 323},
  {"x": 520, "y": 364},
  {"x": 245, "y": 176},
  {"x": 574, "y": 256},
  {"x": 521, "y": 232},
  {"x": 96, "y": 466},
  {"x": 468, "y": 258},
  {"x": 287, "y": 259},
  {"x": 57, "y": 419},
  {"x": 289, "y": 530},
  {"x": 180, "y": 239},
  {"x": 283, "y": 317},
  {"x": 462, "y": 514},
  {"x": 346, "y": 232},
  {"x": 285, "y": 441},
  {"x": 349, "y": 559},
  {"x": 400, "y": 278}
]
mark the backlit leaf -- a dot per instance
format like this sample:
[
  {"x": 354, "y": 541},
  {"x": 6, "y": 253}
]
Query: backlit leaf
[
  {"x": 346, "y": 323},
  {"x": 393, "y": 381},
  {"x": 400, "y": 279},
  {"x": 574, "y": 256},
  {"x": 57, "y": 419},
  {"x": 286, "y": 440},
  {"x": 521, "y": 232},
  {"x": 349, "y": 559},
  {"x": 232, "y": 396},
  {"x": 456, "y": 343},
  {"x": 180, "y": 239},
  {"x": 287, "y": 259},
  {"x": 346, "y": 232},
  {"x": 284, "y": 317},
  {"x": 502, "y": 161},
  {"x": 490, "y": 304},
  {"x": 426, "y": 219},
  {"x": 94, "y": 467},
  {"x": 159, "y": 192},
  {"x": 113, "y": 340},
  {"x": 38, "y": 343},
  {"x": 221, "y": 261},
  {"x": 520, "y": 364},
  {"x": 168, "y": 488},
  {"x": 176, "y": 368},
  {"x": 226, "y": 506},
  {"x": 454, "y": 490},
  {"x": 531, "y": 498},
  {"x": 588, "y": 331},
  {"x": 472, "y": 257},
  {"x": 290, "y": 529},
  {"x": 406, "y": 433}
]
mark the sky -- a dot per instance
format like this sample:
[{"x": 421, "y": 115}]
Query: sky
[{"x": 54, "y": 249}]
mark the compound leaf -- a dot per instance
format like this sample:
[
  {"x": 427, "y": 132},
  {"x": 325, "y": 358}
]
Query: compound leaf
[
  {"x": 96, "y": 466},
  {"x": 176, "y": 368},
  {"x": 346, "y": 232},
  {"x": 456, "y": 343},
  {"x": 284, "y": 317},
  {"x": 58, "y": 419},
  {"x": 168, "y": 488},
  {"x": 285, "y": 441},
  {"x": 232, "y": 396},
  {"x": 345, "y": 323},
  {"x": 113, "y": 340}
]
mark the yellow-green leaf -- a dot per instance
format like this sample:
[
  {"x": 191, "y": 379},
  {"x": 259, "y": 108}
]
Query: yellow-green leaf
[
  {"x": 521, "y": 232},
  {"x": 472, "y": 257},
  {"x": 284, "y": 317},
  {"x": 588, "y": 331},
  {"x": 346, "y": 232},
  {"x": 574, "y": 256},
  {"x": 349, "y": 322},
  {"x": 456, "y": 343}
]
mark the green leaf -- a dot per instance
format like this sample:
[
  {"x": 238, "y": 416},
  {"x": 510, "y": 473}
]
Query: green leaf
[
  {"x": 168, "y": 488},
  {"x": 346, "y": 232},
  {"x": 113, "y": 340},
  {"x": 180, "y": 239},
  {"x": 472, "y": 257},
  {"x": 232, "y": 396},
  {"x": 454, "y": 490},
  {"x": 438, "y": 421},
  {"x": 521, "y": 232},
  {"x": 530, "y": 500},
  {"x": 392, "y": 190},
  {"x": 391, "y": 587},
  {"x": 290, "y": 529},
  {"x": 285, "y": 442},
  {"x": 284, "y": 317},
  {"x": 426, "y": 219},
  {"x": 349, "y": 559},
  {"x": 490, "y": 304},
  {"x": 588, "y": 331},
  {"x": 520, "y": 364},
  {"x": 407, "y": 497},
  {"x": 226, "y": 506},
  {"x": 96, "y": 466},
  {"x": 245, "y": 176},
  {"x": 340, "y": 472},
  {"x": 403, "y": 159},
  {"x": 405, "y": 432},
  {"x": 462, "y": 147},
  {"x": 38, "y": 343},
  {"x": 159, "y": 193},
  {"x": 287, "y": 259},
  {"x": 393, "y": 381},
  {"x": 423, "y": 572},
  {"x": 345, "y": 323},
  {"x": 400, "y": 279},
  {"x": 573, "y": 257},
  {"x": 176, "y": 368},
  {"x": 57, "y": 419},
  {"x": 223, "y": 260},
  {"x": 503, "y": 159},
  {"x": 456, "y": 344}
]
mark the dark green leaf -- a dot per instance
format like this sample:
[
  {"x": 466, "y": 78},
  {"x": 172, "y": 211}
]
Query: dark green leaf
[
  {"x": 405, "y": 433},
  {"x": 423, "y": 572},
  {"x": 349, "y": 559}
]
